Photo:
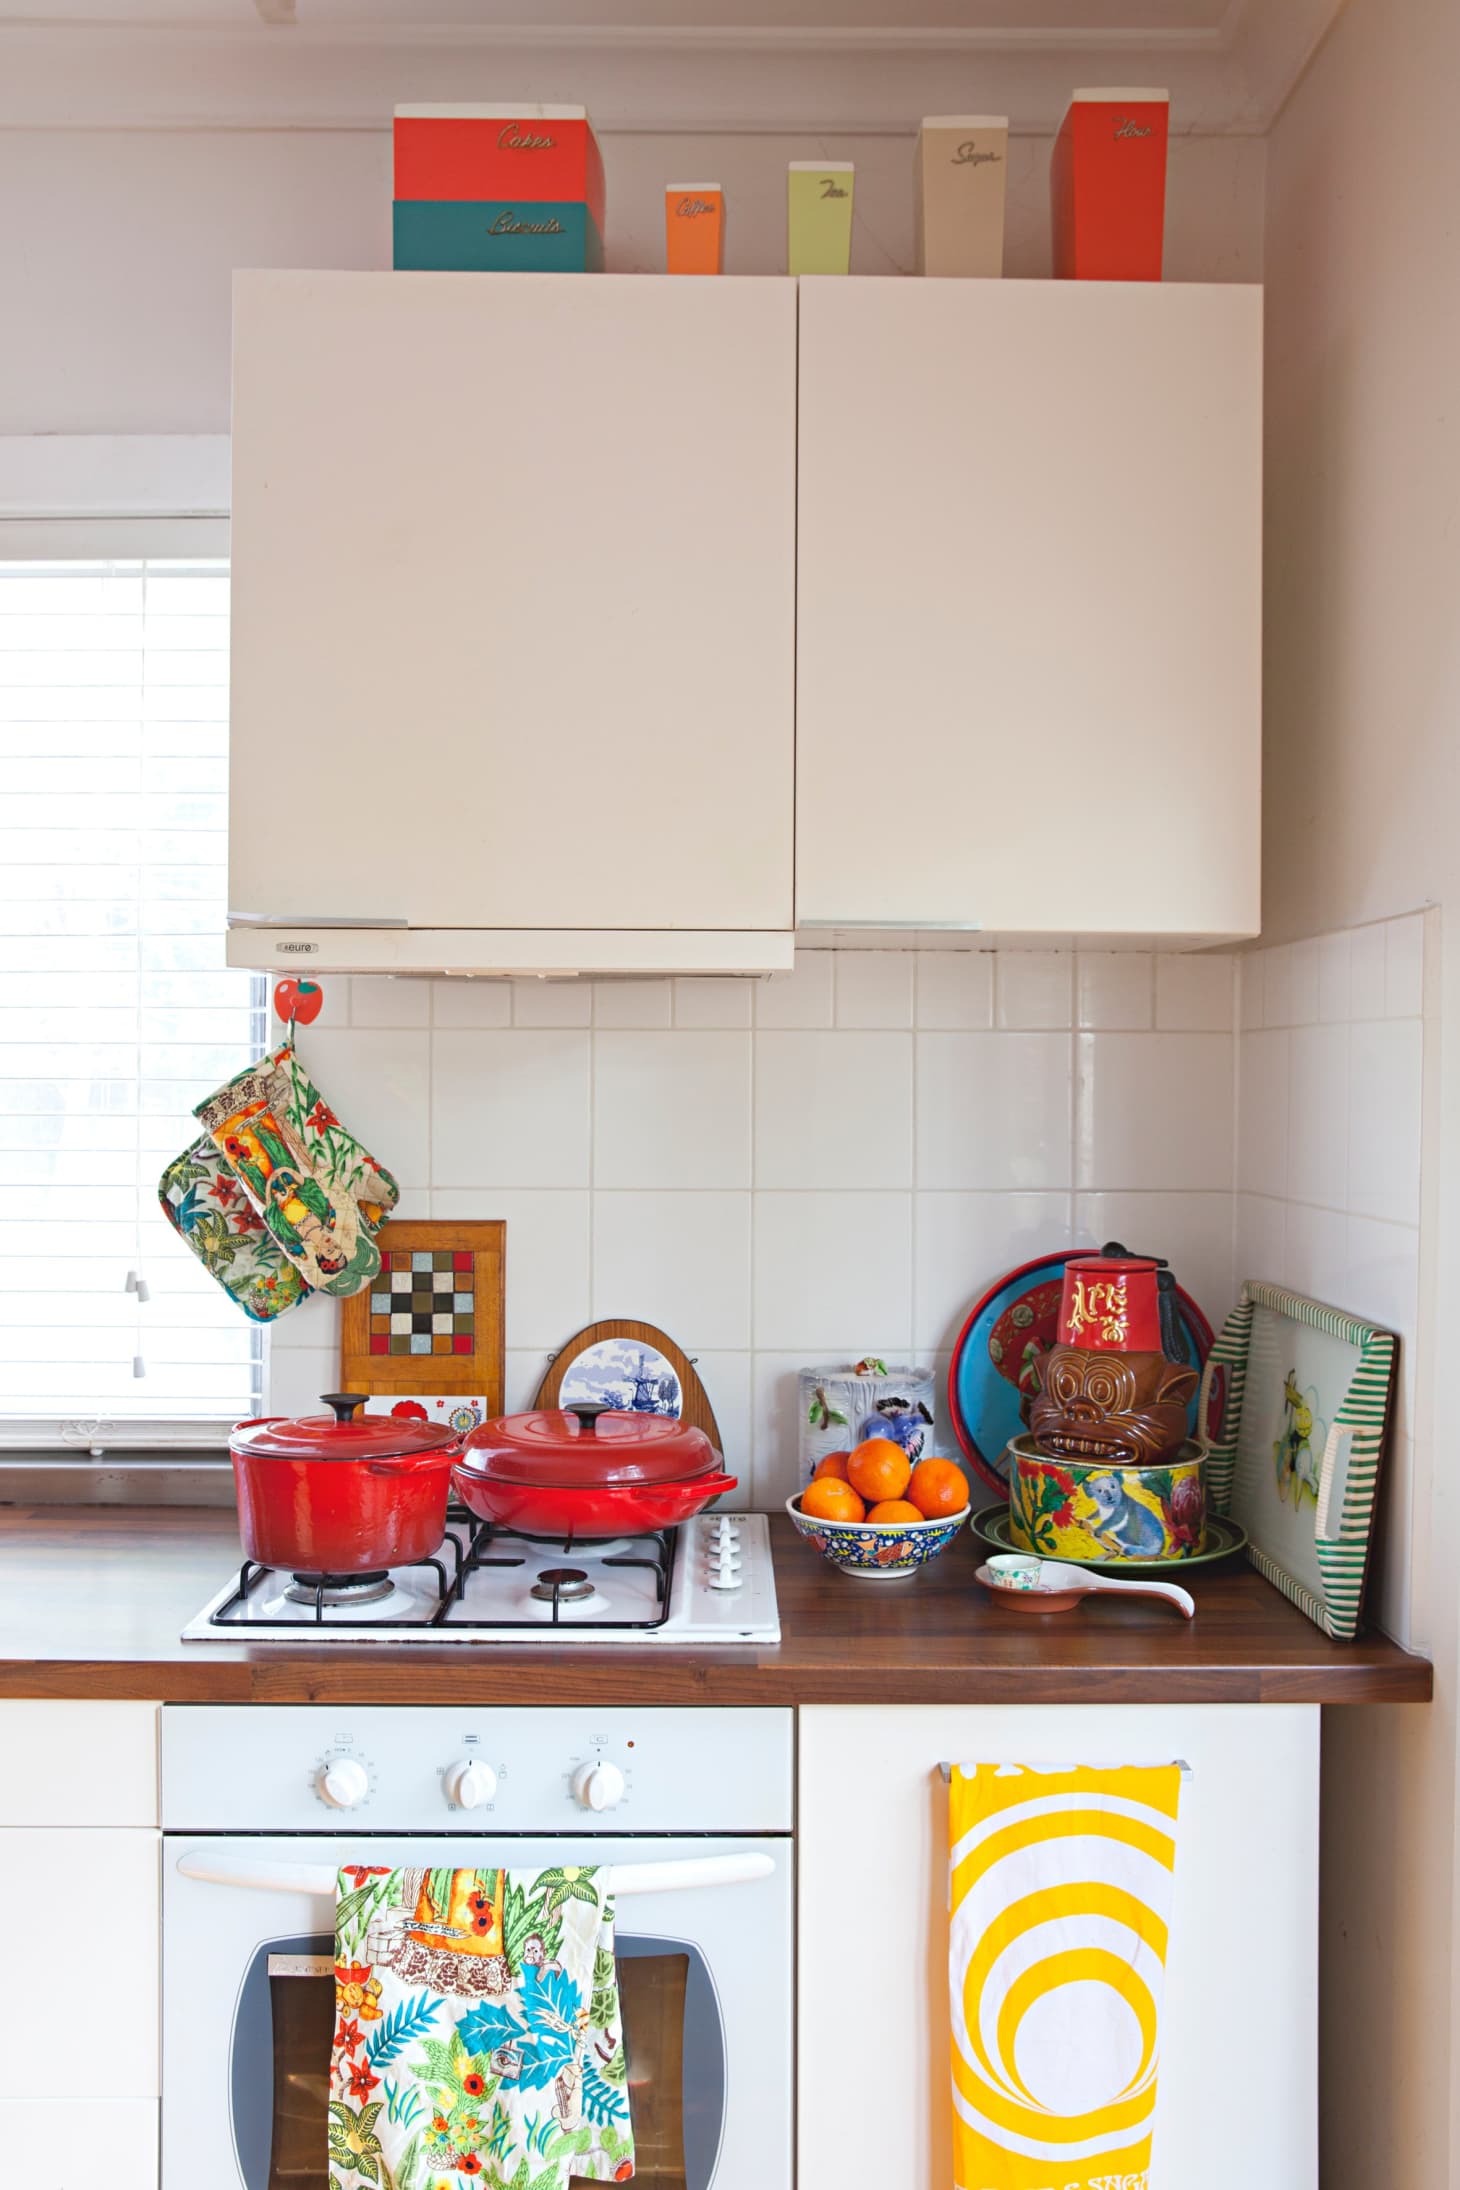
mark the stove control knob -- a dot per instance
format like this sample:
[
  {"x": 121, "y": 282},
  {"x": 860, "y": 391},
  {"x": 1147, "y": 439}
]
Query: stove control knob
[
  {"x": 344, "y": 1783},
  {"x": 599, "y": 1786},
  {"x": 470, "y": 1783}
]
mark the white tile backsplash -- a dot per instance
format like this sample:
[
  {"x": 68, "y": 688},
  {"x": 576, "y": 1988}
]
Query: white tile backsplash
[
  {"x": 671, "y": 1109},
  {"x": 1331, "y": 1087},
  {"x": 833, "y": 1109},
  {"x": 841, "y": 1159},
  {"x": 873, "y": 988},
  {"x": 954, "y": 989},
  {"x": 1033, "y": 988},
  {"x": 510, "y": 1107},
  {"x": 993, "y": 1110},
  {"x": 681, "y": 1260}
]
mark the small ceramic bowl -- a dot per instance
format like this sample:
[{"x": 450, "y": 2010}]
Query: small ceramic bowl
[
  {"x": 877, "y": 1551},
  {"x": 1014, "y": 1570}
]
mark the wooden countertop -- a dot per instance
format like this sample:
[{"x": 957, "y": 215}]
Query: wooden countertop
[{"x": 92, "y": 1599}]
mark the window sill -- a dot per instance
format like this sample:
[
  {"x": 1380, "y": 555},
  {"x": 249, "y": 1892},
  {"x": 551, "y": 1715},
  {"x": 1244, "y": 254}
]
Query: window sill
[{"x": 139, "y": 1478}]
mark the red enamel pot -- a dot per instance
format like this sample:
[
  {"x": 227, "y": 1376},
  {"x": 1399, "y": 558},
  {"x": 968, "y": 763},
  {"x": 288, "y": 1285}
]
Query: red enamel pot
[
  {"x": 329, "y": 1494},
  {"x": 580, "y": 1474}
]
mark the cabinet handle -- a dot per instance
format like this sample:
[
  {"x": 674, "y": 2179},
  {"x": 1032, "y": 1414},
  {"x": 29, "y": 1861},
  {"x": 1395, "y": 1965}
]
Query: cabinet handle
[{"x": 316, "y": 920}]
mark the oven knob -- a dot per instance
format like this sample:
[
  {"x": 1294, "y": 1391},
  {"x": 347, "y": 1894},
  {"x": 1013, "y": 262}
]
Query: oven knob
[
  {"x": 344, "y": 1782},
  {"x": 599, "y": 1786},
  {"x": 470, "y": 1783}
]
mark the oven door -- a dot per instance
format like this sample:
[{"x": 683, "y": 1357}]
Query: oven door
[{"x": 248, "y": 2011}]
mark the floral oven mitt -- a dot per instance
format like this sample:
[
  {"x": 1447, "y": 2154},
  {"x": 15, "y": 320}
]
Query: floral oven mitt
[{"x": 277, "y": 1198}]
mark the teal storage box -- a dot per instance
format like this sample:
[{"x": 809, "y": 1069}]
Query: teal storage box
[{"x": 470, "y": 236}]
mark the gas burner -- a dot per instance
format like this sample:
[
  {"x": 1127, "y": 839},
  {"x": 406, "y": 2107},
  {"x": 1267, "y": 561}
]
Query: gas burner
[
  {"x": 562, "y": 1585},
  {"x": 340, "y": 1589},
  {"x": 489, "y": 1585}
]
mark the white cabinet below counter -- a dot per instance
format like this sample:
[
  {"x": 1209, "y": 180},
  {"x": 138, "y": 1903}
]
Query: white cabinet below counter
[
  {"x": 80, "y": 1857},
  {"x": 1029, "y": 607},
  {"x": 1237, "y": 2088}
]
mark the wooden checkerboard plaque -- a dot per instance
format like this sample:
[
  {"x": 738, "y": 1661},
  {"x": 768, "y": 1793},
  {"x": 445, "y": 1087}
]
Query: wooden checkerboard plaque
[{"x": 431, "y": 1320}]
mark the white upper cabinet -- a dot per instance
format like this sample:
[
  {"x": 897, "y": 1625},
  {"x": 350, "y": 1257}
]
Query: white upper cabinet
[
  {"x": 513, "y": 616},
  {"x": 1028, "y": 621}
]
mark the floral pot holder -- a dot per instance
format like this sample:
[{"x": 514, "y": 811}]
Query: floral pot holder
[{"x": 276, "y": 1198}]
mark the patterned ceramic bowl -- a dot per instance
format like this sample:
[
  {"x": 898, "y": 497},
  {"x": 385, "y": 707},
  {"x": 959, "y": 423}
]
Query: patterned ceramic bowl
[
  {"x": 877, "y": 1551},
  {"x": 1076, "y": 1509}
]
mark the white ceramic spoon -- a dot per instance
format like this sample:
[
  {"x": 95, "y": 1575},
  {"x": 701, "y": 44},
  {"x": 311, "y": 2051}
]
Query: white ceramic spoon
[{"x": 1062, "y": 1585}]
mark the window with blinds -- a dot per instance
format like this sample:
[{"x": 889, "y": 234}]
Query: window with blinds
[{"x": 117, "y": 1012}]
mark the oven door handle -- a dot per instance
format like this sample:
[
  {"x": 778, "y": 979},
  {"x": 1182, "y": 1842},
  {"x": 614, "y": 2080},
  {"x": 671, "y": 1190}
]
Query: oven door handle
[{"x": 693, "y": 1873}]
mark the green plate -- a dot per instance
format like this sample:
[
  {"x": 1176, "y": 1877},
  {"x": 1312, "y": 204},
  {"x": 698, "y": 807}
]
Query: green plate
[{"x": 1223, "y": 1538}]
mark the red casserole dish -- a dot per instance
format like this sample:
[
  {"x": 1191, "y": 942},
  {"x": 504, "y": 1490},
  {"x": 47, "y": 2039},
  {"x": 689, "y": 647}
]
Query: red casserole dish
[
  {"x": 327, "y": 1495},
  {"x": 580, "y": 1474}
]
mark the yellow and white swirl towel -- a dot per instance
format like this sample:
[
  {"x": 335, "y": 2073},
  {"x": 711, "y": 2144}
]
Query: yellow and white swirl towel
[{"x": 1060, "y": 1897}]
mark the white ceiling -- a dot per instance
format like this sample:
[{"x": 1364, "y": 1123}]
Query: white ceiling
[{"x": 674, "y": 66}]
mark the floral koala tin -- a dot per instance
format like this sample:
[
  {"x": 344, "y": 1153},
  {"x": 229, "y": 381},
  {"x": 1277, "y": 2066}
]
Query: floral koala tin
[{"x": 1096, "y": 1512}]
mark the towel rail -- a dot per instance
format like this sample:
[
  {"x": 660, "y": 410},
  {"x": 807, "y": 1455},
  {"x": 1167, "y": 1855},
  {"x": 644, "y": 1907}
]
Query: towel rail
[
  {"x": 945, "y": 1770},
  {"x": 688, "y": 1875}
]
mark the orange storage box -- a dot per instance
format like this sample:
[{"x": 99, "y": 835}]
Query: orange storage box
[
  {"x": 1108, "y": 186},
  {"x": 505, "y": 153}
]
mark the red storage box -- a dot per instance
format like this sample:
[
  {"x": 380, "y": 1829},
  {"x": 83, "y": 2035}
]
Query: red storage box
[
  {"x": 1108, "y": 186},
  {"x": 505, "y": 153}
]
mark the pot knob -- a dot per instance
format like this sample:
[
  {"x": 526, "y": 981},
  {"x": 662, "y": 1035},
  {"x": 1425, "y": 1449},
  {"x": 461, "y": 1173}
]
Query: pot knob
[
  {"x": 344, "y": 1403},
  {"x": 588, "y": 1418},
  {"x": 470, "y": 1783},
  {"x": 599, "y": 1786},
  {"x": 344, "y": 1783}
]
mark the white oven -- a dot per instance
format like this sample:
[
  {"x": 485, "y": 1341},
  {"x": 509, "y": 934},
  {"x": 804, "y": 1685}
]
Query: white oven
[{"x": 262, "y": 1804}]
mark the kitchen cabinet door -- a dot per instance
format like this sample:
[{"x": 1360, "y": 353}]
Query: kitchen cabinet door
[
  {"x": 1241, "y": 1991},
  {"x": 1029, "y": 555},
  {"x": 78, "y": 1763},
  {"x": 80, "y": 2006},
  {"x": 513, "y": 601}
]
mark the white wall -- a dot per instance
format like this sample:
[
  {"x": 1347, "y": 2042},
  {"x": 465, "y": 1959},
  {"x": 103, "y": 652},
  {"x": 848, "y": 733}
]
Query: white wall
[
  {"x": 826, "y": 1164},
  {"x": 117, "y": 257},
  {"x": 1363, "y": 691}
]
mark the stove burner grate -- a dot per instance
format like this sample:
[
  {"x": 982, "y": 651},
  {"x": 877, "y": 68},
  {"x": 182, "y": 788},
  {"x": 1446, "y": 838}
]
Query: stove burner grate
[{"x": 343, "y": 1594}]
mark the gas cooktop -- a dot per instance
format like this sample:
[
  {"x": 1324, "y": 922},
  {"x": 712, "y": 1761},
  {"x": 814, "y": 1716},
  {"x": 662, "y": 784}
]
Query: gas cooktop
[{"x": 705, "y": 1584}]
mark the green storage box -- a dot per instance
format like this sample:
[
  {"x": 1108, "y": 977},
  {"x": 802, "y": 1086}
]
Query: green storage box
[{"x": 458, "y": 235}]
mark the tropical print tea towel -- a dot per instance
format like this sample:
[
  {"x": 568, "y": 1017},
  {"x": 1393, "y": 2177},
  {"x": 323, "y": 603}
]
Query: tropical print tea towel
[
  {"x": 321, "y": 1196},
  {"x": 1060, "y": 1895},
  {"x": 479, "y": 2043}
]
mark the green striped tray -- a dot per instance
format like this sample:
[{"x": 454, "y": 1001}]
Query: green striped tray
[{"x": 1296, "y": 1458}]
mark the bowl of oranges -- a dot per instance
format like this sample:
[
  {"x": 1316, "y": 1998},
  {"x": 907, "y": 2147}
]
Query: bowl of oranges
[{"x": 876, "y": 1515}]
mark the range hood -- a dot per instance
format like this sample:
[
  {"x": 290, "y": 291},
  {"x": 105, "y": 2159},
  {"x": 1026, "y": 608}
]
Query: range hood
[{"x": 331, "y": 946}]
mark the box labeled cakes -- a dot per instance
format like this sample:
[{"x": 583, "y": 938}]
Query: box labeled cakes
[
  {"x": 960, "y": 182},
  {"x": 499, "y": 153},
  {"x": 1108, "y": 186}
]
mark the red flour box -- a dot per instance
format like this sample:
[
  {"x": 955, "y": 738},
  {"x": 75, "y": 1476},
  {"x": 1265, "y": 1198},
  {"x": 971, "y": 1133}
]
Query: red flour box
[
  {"x": 506, "y": 154},
  {"x": 1108, "y": 186}
]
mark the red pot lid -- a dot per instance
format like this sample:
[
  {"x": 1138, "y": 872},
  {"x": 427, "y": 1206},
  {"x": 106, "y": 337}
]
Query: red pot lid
[
  {"x": 575, "y": 1448},
  {"x": 341, "y": 1435}
]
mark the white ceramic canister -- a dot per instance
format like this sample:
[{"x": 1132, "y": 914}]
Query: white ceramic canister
[{"x": 842, "y": 1404}]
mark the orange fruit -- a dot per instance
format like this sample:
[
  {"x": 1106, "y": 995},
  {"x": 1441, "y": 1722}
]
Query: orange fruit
[
  {"x": 938, "y": 1489},
  {"x": 896, "y": 1512},
  {"x": 879, "y": 1469},
  {"x": 830, "y": 1499},
  {"x": 835, "y": 1464}
]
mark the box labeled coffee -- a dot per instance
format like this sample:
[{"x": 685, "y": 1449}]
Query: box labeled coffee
[
  {"x": 960, "y": 187},
  {"x": 694, "y": 228}
]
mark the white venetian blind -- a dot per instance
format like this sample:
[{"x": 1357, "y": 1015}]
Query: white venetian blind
[{"x": 117, "y": 1012}]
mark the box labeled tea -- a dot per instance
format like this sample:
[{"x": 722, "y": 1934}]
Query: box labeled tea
[{"x": 819, "y": 217}]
